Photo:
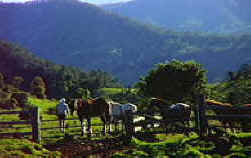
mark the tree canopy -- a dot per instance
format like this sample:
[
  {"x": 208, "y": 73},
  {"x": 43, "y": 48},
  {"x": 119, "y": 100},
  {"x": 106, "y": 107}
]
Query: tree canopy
[
  {"x": 236, "y": 89},
  {"x": 174, "y": 81}
]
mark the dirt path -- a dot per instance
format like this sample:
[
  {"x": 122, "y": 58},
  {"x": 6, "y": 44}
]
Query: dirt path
[{"x": 89, "y": 148}]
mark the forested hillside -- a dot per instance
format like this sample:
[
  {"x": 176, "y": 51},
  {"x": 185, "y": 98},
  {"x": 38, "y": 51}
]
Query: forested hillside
[
  {"x": 226, "y": 16},
  {"x": 20, "y": 69},
  {"x": 83, "y": 35}
]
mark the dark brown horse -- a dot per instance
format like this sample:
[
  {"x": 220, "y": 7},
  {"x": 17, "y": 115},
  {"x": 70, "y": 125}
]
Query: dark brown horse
[
  {"x": 229, "y": 109},
  {"x": 223, "y": 109},
  {"x": 86, "y": 109},
  {"x": 178, "y": 112}
]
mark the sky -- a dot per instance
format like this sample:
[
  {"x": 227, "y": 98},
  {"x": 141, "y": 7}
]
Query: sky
[{"x": 89, "y": 1}]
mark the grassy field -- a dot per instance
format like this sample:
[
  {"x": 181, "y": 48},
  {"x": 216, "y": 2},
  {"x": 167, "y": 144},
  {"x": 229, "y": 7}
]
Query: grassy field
[
  {"x": 25, "y": 147},
  {"x": 113, "y": 91},
  {"x": 180, "y": 146}
]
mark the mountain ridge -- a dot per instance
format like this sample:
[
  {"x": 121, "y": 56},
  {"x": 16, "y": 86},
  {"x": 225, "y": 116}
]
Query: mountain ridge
[
  {"x": 83, "y": 35},
  {"x": 209, "y": 16}
]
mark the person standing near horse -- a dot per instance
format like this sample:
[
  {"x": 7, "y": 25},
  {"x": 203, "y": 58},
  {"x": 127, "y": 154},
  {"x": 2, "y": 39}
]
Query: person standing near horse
[{"x": 62, "y": 111}]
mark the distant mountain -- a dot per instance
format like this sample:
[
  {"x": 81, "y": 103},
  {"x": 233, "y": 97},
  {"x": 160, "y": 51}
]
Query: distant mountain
[
  {"x": 188, "y": 15},
  {"x": 74, "y": 33}
]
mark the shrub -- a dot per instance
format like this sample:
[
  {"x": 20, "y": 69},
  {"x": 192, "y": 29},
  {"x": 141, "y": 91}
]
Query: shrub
[{"x": 21, "y": 97}]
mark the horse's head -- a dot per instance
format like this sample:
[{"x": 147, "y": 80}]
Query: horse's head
[
  {"x": 129, "y": 107},
  {"x": 73, "y": 104},
  {"x": 157, "y": 102}
]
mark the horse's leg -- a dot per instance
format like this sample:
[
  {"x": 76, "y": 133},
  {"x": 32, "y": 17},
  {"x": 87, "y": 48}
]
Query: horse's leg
[
  {"x": 110, "y": 124},
  {"x": 89, "y": 127},
  {"x": 110, "y": 127},
  {"x": 60, "y": 127},
  {"x": 116, "y": 126},
  {"x": 104, "y": 125},
  {"x": 63, "y": 125},
  {"x": 82, "y": 127}
]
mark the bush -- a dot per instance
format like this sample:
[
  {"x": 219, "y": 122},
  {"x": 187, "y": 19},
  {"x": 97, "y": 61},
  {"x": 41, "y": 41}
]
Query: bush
[{"x": 21, "y": 97}]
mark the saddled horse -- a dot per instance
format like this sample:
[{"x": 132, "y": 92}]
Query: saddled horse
[
  {"x": 86, "y": 109},
  {"x": 178, "y": 112},
  {"x": 119, "y": 111}
]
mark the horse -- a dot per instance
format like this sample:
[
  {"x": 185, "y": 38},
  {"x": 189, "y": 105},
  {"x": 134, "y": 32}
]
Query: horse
[
  {"x": 72, "y": 103},
  {"x": 223, "y": 109},
  {"x": 86, "y": 109},
  {"x": 178, "y": 112},
  {"x": 244, "y": 109},
  {"x": 118, "y": 112}
]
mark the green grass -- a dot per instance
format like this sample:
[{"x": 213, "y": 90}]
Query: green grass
[
  {"x": 44, "y": 104},
  {"x": 47, "y": 109},
  {"x": 24, "y": 148},
  {"x": 179, "y": 146},
  {"x": 113, "y": 91},
  {"x": 19, "y": 146}
]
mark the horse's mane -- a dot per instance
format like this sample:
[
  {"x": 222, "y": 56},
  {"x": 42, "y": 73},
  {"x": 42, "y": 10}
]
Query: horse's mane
[
  {"x": 159, "y": 99},
  {"x": 213, "y": 102},
  {"x": 158, "y": 102}
]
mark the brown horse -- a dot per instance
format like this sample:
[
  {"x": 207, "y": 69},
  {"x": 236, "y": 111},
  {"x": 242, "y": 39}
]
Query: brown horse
[
  {"x": 224, "y": 109},
  {"x": 178, "y": 112},
  {"x": 86, "y": 109}
]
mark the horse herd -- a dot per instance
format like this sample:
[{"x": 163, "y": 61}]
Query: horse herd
[
  {"x": 112, "y": 112},
  {"x": 108, "y": 111}
]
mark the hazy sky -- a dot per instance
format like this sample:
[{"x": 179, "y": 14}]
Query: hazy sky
[{"x": 90, "y": 1}]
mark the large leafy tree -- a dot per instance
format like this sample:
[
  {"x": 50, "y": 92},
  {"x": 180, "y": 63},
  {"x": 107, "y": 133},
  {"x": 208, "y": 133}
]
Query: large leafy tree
[
  {"x": 238, "y": 88},
  {"x": 174, "y": 81}
]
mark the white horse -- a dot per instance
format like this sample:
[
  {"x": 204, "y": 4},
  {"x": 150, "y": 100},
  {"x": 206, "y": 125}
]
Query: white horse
[{"x": 118, "y": 112}]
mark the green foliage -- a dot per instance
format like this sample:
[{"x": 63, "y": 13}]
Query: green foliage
[
  {"x": 236, "y": 90},
  {"x": 24, "y": 148},
  {"x": 179, "y": 146},
  {"x": 81, "y": 93},
  {"x": 174, "y": 81},
  {"x": 121, "y": 95},
  {"x": 1, "y": 81},
  {"x": 45, "y": 78},
  {"x": 17, "y": 81},
  {"x": 21, "y": 97},
  {"x": 38, "y": 87}
]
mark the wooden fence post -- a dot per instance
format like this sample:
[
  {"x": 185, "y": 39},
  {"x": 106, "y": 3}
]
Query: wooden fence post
[
  {"x": 129, "y": 127},
  {"x": 202, "y": 121},
  {"x": 36, "y": 131}
]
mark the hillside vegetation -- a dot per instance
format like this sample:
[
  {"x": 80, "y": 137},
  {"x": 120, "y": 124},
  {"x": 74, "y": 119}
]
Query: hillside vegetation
[
  {"x": 21, "y": 70},
  {"x": 83, "y": 35}
]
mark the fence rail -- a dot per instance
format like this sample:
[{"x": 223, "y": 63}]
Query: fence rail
[
  {"x": 15, "y": 123},
  {"x": 12, "y": 112}
]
